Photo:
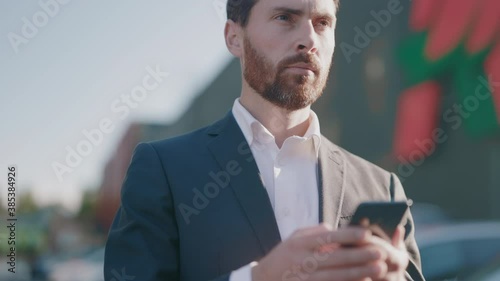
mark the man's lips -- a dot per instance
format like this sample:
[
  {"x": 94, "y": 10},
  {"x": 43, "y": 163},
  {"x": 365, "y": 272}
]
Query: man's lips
[{"x": 302, "y": 68}]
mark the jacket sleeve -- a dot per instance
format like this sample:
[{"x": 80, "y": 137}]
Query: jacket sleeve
[
  {"x": 143, "y": 242},
  {"x": 414, "y": 269}
]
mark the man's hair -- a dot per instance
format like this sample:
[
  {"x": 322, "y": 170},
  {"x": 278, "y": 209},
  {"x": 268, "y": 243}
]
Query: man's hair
[{"x": 239, "y": 10}]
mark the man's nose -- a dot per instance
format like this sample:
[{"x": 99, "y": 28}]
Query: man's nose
[{"x": 307, "y": 38}]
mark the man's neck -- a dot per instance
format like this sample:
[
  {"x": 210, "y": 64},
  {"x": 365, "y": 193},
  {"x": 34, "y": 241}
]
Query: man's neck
[{"x": 280, "y": 122}]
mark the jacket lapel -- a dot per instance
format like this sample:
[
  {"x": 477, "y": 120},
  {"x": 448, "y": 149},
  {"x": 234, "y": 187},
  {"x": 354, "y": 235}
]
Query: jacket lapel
[
  {"x": 331, "y": 182},
  {"x": 230, "y": 146}
]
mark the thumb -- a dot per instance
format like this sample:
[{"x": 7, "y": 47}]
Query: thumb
[{"x": 399, "y": 236}]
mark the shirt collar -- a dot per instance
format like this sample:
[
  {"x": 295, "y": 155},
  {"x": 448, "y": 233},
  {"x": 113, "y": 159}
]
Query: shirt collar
[{"x": 254, "y": 130}]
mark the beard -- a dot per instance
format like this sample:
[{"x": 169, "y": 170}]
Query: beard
[{"x": 290, "y": 91}]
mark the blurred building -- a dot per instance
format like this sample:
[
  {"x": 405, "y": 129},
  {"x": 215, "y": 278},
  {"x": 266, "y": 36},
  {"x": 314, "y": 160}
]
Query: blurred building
[
  {"x": 219, "y": 97},
  {"x": 357, "y": 111}
]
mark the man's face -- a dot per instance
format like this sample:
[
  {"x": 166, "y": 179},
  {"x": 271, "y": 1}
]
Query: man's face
[{"x": 288, "y": 49}]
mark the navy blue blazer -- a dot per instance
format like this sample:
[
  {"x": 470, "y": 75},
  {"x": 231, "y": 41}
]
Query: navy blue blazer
[{"x": 193, "y": 207}]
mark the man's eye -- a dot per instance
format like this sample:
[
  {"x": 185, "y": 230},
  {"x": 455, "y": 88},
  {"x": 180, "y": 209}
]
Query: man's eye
[
  {"x": 283, "y": 17},
  {"x": 324, "y": 22}
]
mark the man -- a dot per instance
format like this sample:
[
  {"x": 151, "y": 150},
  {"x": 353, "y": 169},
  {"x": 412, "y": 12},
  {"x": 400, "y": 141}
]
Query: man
[{"x": 261, "y": 194}]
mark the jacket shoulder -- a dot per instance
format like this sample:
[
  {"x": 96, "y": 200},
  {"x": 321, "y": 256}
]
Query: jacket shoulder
[
  {"x": 362, "y": 165},
  {"x": 364, "y": 179},
  {"x": 355, "y": 162},
  {"x": 190, "y": 140}
]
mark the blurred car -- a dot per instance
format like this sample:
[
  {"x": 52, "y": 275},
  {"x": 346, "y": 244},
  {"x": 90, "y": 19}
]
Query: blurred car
[
  {"x": 88, "y": 267},
  {"x": 455, "y": 250},
  {"x": 426, "y": 215},
  {"x": 85, "y": 267},
  {"x": 491, "y": 272},
  {"x": 22, "y": 270}
]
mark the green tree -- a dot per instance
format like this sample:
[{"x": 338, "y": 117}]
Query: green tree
[{"x": 26, "y": 204}]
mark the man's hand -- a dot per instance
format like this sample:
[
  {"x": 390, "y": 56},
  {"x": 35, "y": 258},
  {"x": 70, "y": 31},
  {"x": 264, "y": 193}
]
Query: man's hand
[
  {"x": 397, "y": 256},
  {"x": 316, "y": 253}
]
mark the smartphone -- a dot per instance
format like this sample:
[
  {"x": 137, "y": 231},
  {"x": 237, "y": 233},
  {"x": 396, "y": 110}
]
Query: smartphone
[{"x": 382, "y": 218}]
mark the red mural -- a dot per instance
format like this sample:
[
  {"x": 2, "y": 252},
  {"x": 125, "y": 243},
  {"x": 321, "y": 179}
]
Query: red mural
[{"x": 457, "y": 41}]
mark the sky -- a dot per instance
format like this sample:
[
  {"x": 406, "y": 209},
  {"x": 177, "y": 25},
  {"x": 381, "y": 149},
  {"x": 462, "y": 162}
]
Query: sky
[{"x": 65, "y": 66}]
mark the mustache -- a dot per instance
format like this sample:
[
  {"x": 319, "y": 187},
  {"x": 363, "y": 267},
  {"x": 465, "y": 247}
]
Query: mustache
[{"x": 301, "y": 57}]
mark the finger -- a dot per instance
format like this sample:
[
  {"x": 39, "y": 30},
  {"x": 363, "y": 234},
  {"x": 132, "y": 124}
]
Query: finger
[
  {"x": 392, "y": 276},
  {"x": 356, "y": 256},
  {"x": 397, "y": 258},
  {"x": 370, "y": 271},
  {"x": 348, "y": 235},
  {"x": 378, "y": 231},
  {"x": 303, "y": 234},
  {"x": 398, "y": 237},
  {"x": 317, "y": 229}
]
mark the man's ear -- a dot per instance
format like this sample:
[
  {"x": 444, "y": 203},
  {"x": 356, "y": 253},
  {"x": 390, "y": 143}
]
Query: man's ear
[{"x": 233, "y": 34}]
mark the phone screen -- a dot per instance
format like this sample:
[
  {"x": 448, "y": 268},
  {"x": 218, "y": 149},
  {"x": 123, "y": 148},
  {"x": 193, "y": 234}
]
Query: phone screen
[{"x": 380, "y": 217}]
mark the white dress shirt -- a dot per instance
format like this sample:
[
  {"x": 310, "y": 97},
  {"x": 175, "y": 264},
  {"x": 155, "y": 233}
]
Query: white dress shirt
[{"x": 289, "y": 175}]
